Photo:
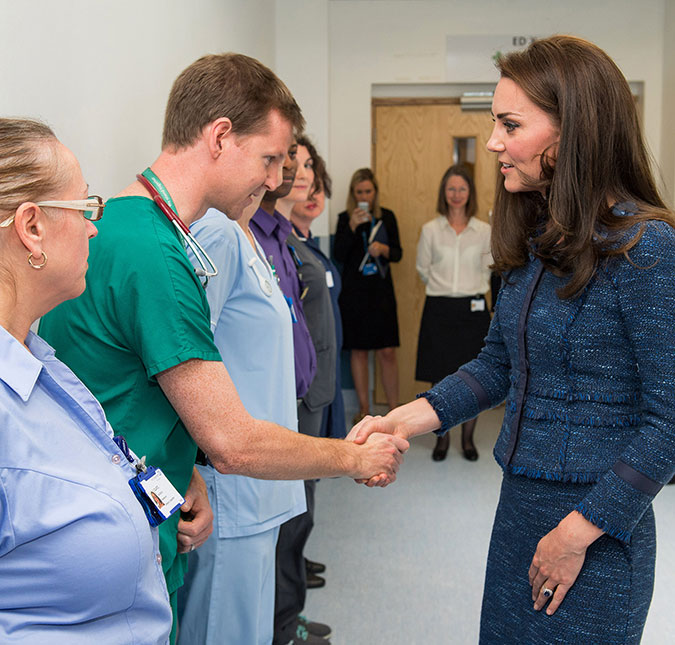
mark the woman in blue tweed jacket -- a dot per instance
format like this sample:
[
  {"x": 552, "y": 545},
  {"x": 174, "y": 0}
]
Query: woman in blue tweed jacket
[{"x": 581, "y": 347}]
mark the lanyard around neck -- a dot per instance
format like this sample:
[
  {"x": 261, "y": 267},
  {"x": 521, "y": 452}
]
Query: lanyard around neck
[{"x": 160, "y": 195}]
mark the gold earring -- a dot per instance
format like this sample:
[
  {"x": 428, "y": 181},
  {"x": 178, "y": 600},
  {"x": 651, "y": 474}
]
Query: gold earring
[{"x": 37, "y": 266}]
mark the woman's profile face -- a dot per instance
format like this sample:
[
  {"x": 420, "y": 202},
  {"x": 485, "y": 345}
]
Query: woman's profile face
[
  {"x": 67, "y": 243},
  {"x": 456, "y": 192},
  {"x": 304, "y": 176},
  {"x": 521, "y": 134},
  {"x": 311, "y": 208},
  {"x": 364, "y": 191}
]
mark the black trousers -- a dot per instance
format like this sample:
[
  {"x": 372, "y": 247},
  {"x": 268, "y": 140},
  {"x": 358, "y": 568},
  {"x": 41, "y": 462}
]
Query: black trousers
[
  {"x": 291, "y": 582},
  {"x": 291, "y": 577}
]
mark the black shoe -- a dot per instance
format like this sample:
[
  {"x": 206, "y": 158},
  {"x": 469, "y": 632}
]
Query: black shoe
[
  {"x": 314, "y": 567},
  {"x": 317, "y": 629},
  {"x": 303, "y": 637},
  {"x": 470, "y": 453},
  {"x": 315, "y": 582},
  {"x": 441, "y": 449}
]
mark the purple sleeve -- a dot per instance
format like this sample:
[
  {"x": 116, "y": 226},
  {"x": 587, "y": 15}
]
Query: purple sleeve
[{"x": 278, "y": 254}]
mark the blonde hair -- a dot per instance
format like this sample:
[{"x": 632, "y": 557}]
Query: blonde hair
[
  {"x": 28, "y": 168},
  {"x": 364, "y": 174}
]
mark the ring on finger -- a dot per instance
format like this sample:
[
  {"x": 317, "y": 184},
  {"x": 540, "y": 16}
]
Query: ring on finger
[
  {"x": 192, "y": 547},
  {"x": 546, "y": 592}
]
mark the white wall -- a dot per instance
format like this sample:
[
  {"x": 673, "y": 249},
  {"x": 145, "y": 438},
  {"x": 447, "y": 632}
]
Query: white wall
[
  {"x": 302, "y": 62},
  {"x": 404, "y": 41},
  {"x": 668, "y": 130},
  {"x": 99, "y": 71}
]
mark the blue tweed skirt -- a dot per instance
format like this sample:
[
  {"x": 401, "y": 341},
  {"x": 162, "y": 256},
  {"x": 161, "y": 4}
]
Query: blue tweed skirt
[{"x": 609, "y": 601}]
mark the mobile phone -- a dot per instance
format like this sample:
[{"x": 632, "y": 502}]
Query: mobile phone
[{"x": 363, "y": 206}]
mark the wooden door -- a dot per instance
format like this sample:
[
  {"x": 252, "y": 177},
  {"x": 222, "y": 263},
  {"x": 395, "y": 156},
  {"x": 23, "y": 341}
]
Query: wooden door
[{"x": 413, "y": 145}]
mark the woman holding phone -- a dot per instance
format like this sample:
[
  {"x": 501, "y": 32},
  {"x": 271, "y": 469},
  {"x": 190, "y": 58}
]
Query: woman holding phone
[{"x": 366, "y": 241}]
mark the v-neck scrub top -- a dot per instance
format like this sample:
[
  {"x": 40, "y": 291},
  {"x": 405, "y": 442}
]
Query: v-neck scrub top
[{"x": 253, "y": 331}]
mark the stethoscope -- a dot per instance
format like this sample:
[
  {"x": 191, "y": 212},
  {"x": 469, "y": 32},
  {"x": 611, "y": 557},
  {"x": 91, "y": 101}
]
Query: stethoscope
[{"x": 153, "y": 185}]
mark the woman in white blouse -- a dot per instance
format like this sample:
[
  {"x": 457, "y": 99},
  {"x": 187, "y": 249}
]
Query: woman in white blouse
[{"x": 453, "y": 260}]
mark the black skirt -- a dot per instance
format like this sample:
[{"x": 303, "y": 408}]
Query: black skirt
[
  {"x": 450, "y": 336},
  {"x": 369, "y": 319}
]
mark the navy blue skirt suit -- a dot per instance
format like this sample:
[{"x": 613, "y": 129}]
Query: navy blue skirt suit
[{"x": 589, "y": 425}]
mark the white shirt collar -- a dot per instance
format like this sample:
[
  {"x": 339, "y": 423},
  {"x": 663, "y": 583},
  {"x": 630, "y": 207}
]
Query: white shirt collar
[{"x": 472, "y": 224}]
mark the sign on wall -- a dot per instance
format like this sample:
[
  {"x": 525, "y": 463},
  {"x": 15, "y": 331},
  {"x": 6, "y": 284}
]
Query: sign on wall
[{"x": 471, "y": 59}]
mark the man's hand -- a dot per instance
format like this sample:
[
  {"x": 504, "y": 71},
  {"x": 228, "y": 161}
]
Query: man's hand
[
  {"x": 379, "y": 459},
  {"x": 404, "y": 422},
  {"x": 196, "y": 521}
]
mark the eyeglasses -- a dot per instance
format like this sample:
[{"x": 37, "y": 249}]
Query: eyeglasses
[{"x": 92, "y": 208}]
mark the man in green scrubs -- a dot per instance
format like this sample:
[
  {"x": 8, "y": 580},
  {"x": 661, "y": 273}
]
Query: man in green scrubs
[{"x": 140, "y": 338}]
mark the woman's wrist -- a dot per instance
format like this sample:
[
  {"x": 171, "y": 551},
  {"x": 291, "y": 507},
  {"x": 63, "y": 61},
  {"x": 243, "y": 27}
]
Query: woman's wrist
[
  {"x": 579, "y": 532},
  {"x": 412, "y": 419}
]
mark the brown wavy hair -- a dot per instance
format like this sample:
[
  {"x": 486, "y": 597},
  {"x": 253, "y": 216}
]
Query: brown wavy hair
[
  {"x": 600, "y": 157},
  {"x": 463, "y": 172},
  {"x": 322, "y": 179},
  {"x": 364, "y": 174}
]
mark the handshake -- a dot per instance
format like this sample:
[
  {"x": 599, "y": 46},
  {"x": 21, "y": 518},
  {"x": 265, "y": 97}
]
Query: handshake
[{"x": 382, "y": 451}]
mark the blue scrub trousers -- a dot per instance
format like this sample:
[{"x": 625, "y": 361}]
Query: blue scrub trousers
[{"x": 228, "y": 595}]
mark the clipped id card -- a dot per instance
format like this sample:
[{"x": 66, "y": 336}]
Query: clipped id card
[
  {"x": 477, "y": 304},
  {"x": 369, "y": 268},
  {"x": 160, "y": 500}
]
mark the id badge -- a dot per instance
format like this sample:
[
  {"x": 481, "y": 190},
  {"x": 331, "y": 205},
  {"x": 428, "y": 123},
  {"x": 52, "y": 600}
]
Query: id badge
[
  {"x": 159, "y": 499},
  {"x": 329, "y": 279},
  {"x": 370, "y": 268},
  {"x": 477, "y": 304}
]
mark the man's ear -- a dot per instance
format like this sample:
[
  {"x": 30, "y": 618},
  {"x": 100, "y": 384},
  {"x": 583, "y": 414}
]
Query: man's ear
[
  {"x": 219, "y": 136},
  {"x": 29, "y": 223}
]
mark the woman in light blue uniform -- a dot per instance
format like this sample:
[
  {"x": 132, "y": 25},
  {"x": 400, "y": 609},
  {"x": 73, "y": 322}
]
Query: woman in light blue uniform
[
  {"x": 79, "y": 562},
  {"x": 228, "y": 596}
]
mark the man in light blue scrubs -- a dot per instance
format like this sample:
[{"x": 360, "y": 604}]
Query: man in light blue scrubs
[{"x": 228, "y": 596}]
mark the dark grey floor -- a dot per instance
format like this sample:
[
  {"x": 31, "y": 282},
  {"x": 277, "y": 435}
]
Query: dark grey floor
[{"x": 406, "y": 563}]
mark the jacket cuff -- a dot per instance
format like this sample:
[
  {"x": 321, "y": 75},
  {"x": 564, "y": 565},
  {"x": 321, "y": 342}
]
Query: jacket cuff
[
  {"x": 618, "y": 501},
  {"x": 456, "y": 399}
]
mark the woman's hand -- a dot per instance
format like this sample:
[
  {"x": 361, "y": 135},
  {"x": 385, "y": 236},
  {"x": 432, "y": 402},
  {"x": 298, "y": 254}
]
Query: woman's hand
[
  {"x": 376, "y": 249},
  {"x": 558, "y": 560},
  {"x": 196, "y": 522},
  {"x": 358, "y": 217}
]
